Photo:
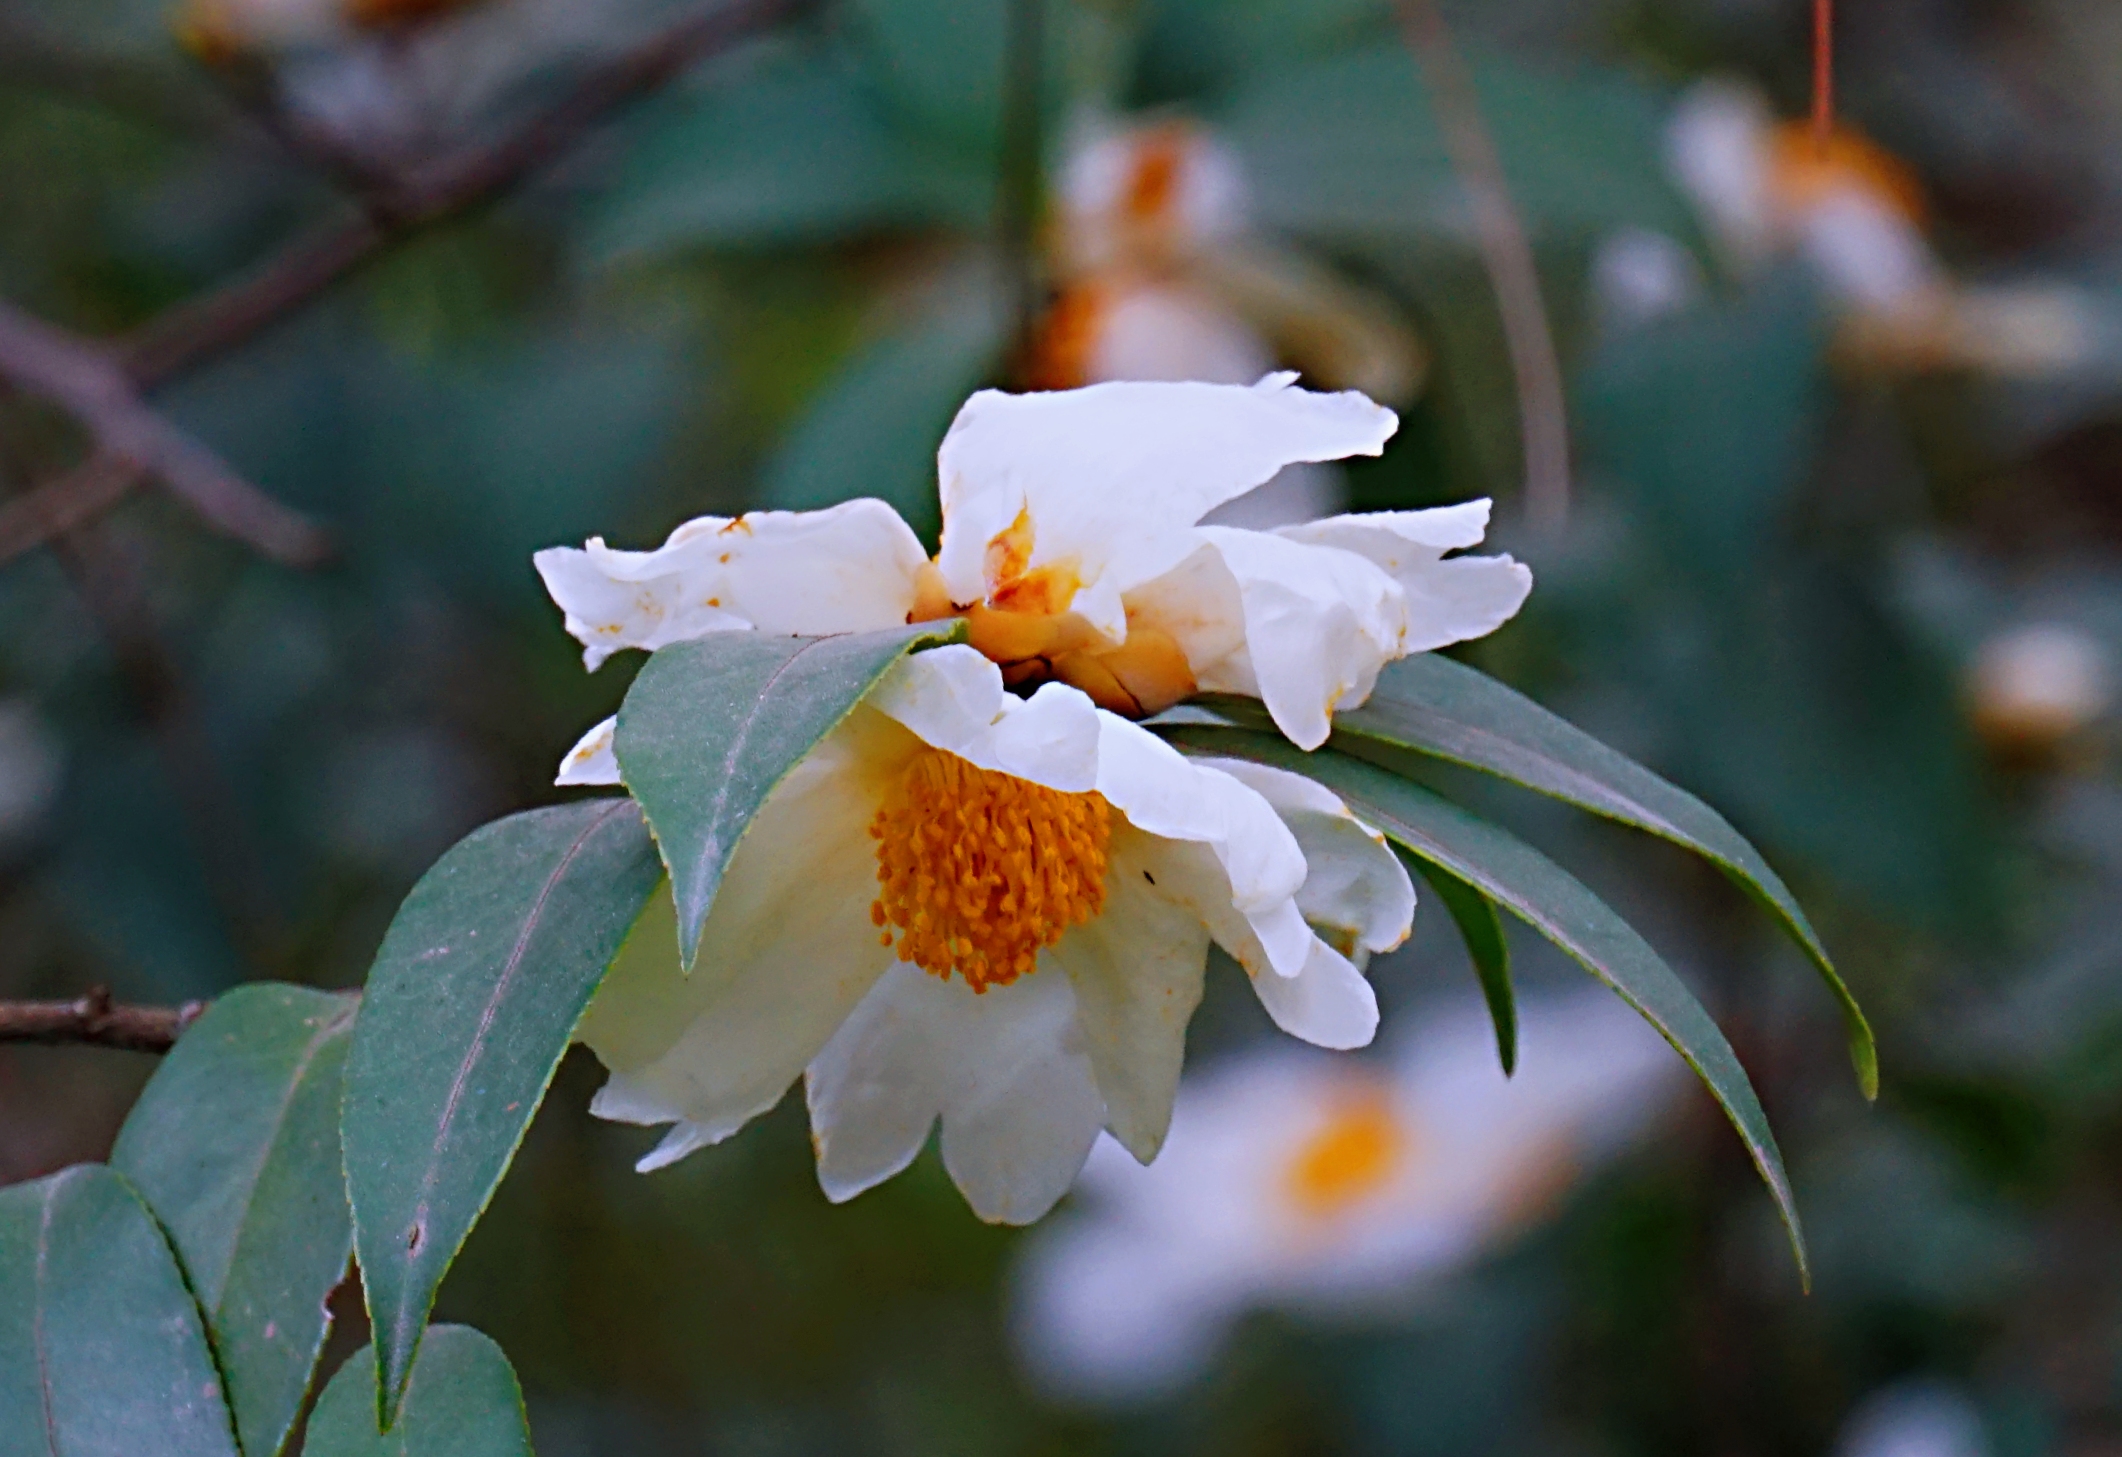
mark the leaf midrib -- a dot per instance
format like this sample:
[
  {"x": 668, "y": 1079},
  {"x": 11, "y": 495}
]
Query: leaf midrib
[
  {"x": 44, "y": 1374},
  {"x": 331, "y": 1027},
  {"x": 720, "y": 803},
  {"x": 487, "y": 1017}
]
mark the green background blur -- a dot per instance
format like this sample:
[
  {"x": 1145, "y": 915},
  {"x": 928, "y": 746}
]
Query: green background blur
[{"x": 770, "y": 285}]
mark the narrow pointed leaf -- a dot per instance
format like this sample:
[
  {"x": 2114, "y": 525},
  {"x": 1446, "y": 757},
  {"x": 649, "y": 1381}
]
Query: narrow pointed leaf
[
  {"x": 712, "y": 725},
  {"x": 1431, "y": 705},
  {"x": 463, "y": 1402},
  {"x": 1551, "y": 901},
  {"x": 1482, "y": 931},
  {"x": 234, "y": 1146},
  {"x": 472, "y": 1000},
  {"x": 102, "y": 1353}
]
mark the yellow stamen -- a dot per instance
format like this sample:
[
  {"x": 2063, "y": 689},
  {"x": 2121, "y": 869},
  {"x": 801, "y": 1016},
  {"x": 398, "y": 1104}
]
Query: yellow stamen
[
  {"x": 980, "y": 871},
  {"x": 1349, "y": 1157}
]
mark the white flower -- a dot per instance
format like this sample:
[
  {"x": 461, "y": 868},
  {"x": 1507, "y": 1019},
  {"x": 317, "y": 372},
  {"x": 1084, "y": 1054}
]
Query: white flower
[
  {"x": 1164, "y": 277},
  {"x": 1914, "y": 1418},
  {"x": 1071, "y": 545},
  {"x": 994, "y": 912},
  {"x": 1854, "y": 213},
  {"x": 1325, "y": 1186},
  {"x": 2032, "y": 689}
]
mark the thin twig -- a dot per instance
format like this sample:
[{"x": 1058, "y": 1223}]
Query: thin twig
[
  {"x": 214, "y": 322},
  {"x": 65, "y": 502},
  {"x": 95, "y": 1020},
  {"x": 1543, "y": 413},
  {"x": 81, "y": 378},
  {"x": 1823, "y": 73}
]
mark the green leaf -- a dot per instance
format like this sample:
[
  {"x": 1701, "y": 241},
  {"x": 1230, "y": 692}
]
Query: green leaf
[
  {"x": 1551, "y": 901},
  {"x": 102, "y": 1353},
  {"x": 1481, "y": 928},
  {"x": 712, "y": 725},
  {"x": 1432, "y": 705},
  {"x": 944, "y": 68},
  {"x": 463, "y": 1402},
  {"x": 235, "y": 1147},
  {"x": 874, "y": 427},
  {"x": 1350, "y": 149},
  {"x": 789, "y": 149},
  {"x": 472, "y": 1000}
]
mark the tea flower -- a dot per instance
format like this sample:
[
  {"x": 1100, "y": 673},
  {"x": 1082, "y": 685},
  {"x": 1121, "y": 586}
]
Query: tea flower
[
  {"x": 1322, "y": 1186},
  {"x": 1855, "y": 214},
  {"x": 1163, "y": 276},
  {"x": 995, "y": 912},
  {"x": 1072, "y": 547}
]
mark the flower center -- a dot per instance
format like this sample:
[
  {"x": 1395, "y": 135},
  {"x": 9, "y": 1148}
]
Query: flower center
[
  {"x": 979, "y": 871},
  {"x": 1348, "y": 1157}
]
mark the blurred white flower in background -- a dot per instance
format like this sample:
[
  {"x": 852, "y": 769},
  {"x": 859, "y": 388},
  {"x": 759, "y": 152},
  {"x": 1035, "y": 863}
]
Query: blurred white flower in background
[
  {"x": 1769, "y": 189},
  {"x": 32, "y": 766},
  {"x": 2032, "y": 690},
  {"x": 1639, "y": 275},
  {"x": 1161, "y": 276},
  {"x": 1328, "y": 1186},
  {"x": 1914, "y": 1419},
  {"x": 386, "y": 80}
]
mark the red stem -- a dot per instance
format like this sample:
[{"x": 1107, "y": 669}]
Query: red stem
[{"x": 1823, "y": 72}]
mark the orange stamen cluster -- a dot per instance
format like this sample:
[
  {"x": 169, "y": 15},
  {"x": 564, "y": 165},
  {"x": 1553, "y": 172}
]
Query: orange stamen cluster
[{"x": 980, "y": 871}]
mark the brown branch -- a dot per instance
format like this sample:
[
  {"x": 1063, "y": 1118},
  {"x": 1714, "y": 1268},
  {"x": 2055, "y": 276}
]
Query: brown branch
[
  {"x": 65, "y": 502},
  {"x": 1543, "y": 413},
  {"x": 83, "y": 379},
  {"x": 202, "y": 327},
  {"x": 95, "y": 1020}
]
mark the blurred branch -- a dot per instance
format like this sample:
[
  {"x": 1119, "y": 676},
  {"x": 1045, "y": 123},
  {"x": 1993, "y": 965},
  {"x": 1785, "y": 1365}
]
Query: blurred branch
[
  {"x": 95, "y": 1020},
  {"x": 84, "y": 380},
  {"x": 63, "y": 503},
  {"x": 390, "y": 212},
  {"x": 1543, "y": 413}
]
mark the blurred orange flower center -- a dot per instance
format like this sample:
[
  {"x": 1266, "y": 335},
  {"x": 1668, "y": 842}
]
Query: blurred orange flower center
[
  {"x": 1349, "y": 1157},
  {"x": 980, "y": 871}
]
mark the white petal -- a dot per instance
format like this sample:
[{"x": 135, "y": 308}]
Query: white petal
[
  {"x": 1354, "y": 883},
  {"x": 1020, "y": 1123},
  {"x": 1004, "y": 1069},
  {"x": 1111, "y": 477},
  {"x": 954, "y": 699},
  {"x": 1376, "y": 534},
  {"x": 1104, "y": 1311},
  {"x": 1319, "y": 624},
  {"x": 874, "y": 1090},
  {"x": 591, "y": 760},
  {"x": 1448, "y": 599},
  {"x": 1137, "y": 971},
  {"x": 1328, "y": 1003},
  {"x": 851, "y": 568},
  {"x": 1258, "y": 861},
  {"x": 788, "y": 950}
]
